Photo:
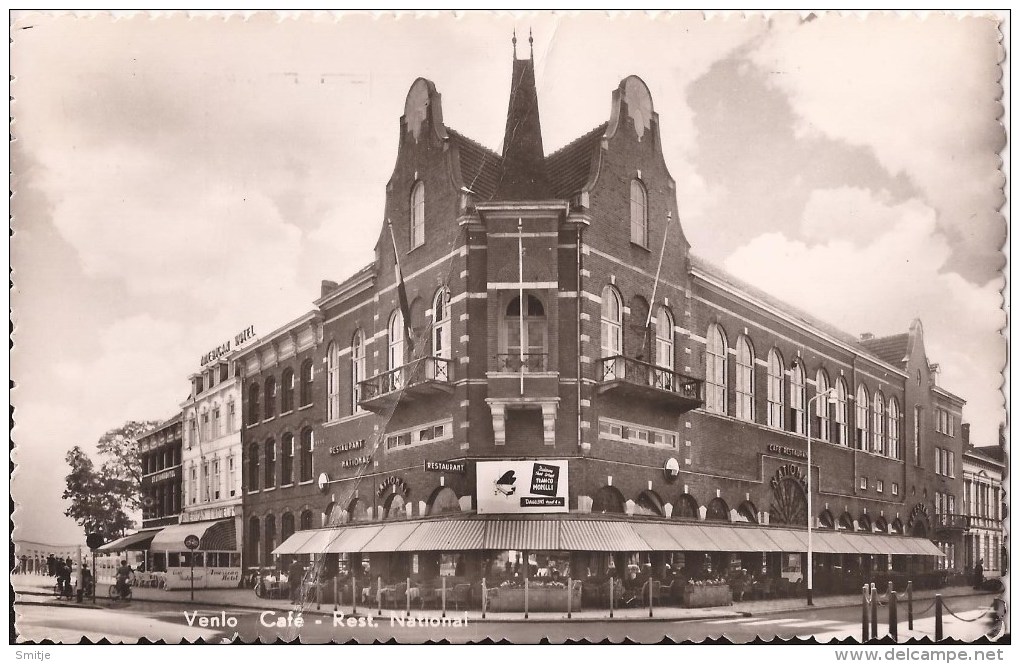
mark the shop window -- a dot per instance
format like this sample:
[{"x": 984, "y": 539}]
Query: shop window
[
  {"x": 269, "y": 398},
  {"x": 745, "y": 379},
  {"x": 306, "y": 382},
  {"x": 612, "y": 333},
  {"x": 638, "y": 213},
  {"x": 442, "y": 501},
  {"x": 287, "y": 390},
  {"x": 357, "y": 369},
  {"x": 253, "y": 467},
  {"x": 608, "y": 500},
  {"x": 287, "y": 463},
  {"x": 715, "y": 370},
  {"x": 307, "y": 449},
  {"x": 418, "y": 214},
  {"x": 775, "y": 390},
  {"x": 332, "y": 382}
]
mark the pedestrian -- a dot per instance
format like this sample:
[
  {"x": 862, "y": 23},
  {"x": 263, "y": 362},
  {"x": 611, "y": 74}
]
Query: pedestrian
[
  {"x": 64, "y": 579},
  {"x": 51, "y": 565},
  {"x": 294, "y": 575},
  {"x": 979, "y": 573}
]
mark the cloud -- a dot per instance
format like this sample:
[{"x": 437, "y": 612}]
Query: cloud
[{"x": 880, "y": 284}]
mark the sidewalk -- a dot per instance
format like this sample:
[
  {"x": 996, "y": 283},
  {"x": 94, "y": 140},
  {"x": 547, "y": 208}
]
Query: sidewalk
[{"x": 28, "y": 593}]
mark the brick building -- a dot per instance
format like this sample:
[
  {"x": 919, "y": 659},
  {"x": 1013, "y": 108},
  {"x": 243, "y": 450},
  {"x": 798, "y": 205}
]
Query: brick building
[
  {"x": 160, "y": 451},
  {"x": 558, "y": 331}
]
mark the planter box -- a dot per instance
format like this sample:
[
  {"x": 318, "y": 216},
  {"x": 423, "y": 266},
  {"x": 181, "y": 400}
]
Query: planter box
[
  {"x": 701, "y": 596},
  {"x": 539, "y": 599}
]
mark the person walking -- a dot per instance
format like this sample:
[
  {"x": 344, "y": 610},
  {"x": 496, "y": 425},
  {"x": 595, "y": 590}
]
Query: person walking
[
  {"x": 294, "y": 576},
  {"x": 979, "y": 573},
  {"x": 51, "y": 565}
]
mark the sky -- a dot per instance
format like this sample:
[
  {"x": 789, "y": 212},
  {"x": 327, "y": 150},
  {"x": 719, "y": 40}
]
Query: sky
[{"x": 177, "y": 180}]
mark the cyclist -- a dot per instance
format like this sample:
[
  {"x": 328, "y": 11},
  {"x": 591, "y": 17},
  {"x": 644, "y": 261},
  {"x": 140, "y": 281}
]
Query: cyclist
[
  {"x": 124, "y": 574},
  {"x": 87, "y": 581}
]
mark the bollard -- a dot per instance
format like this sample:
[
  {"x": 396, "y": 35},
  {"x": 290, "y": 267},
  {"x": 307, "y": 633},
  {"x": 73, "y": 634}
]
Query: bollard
[
  {"x": 354, "y": 595},
  {"x": 485, "y": 597},
  {"x": 407, "y": 596},
  {"x": 938, "y": 617},
  {"x": 874, "y": 612},
  {"x": 910, "y": 605},
  {"x": 336, "y": 593},
  {"x": 864, "y": 614},
  {"x": 611, "y": 588},
  {"x": 318, "y": 596},
  {"x": 378, "y": 596},
  {"x": 444, "y": 596},
  {"x": 526, "y": 597},
  {"x": 570, "y": 586},
  {"x": 650, "y": 583},
  {"x": 893, "y": 619}
]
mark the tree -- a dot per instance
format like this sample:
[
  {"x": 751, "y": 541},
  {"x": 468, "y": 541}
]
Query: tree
[{"x": 102, "y": 498}]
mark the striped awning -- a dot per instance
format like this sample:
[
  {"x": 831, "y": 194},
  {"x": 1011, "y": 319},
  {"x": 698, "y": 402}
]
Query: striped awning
[
  {"x": 213, "y": 536},
  {"x": 389, "y": 538},
  {"x": 349, "y": 540},
  {"x": 585, "y": 535},
  {"x": 294, "y": 542},
  {"x": 536, "y": 535},
  {"x": 689, "y": 537},
  {"x": 133, "y": 542},
  {"x": 445, "y": 536}
]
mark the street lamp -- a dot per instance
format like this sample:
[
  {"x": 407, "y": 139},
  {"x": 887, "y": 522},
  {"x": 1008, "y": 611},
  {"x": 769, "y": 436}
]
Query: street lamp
[{"x": 830, "y": 397}]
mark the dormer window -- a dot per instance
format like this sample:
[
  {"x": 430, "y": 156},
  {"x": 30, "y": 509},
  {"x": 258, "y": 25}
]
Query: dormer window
[
  {"x": 638, "y": 213},
  {"x": 418, "y": 214}
]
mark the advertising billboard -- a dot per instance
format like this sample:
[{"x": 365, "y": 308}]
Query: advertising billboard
[{"x": 522, "y": 487}]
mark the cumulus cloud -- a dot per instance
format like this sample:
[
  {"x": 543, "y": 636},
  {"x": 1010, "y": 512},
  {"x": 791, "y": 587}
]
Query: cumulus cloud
[{"x": 880, "y": 284}]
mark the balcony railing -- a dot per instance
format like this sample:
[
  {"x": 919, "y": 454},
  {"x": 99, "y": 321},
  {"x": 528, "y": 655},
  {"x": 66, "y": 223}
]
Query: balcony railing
[
  {"x": 413, "y": 377},
  {"x": 514, "y": 362},
  {"x": 952, "y": 522},
  {"x": 650, "y": 383}
]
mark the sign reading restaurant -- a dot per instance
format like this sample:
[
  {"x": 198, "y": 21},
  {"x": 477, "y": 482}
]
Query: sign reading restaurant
[
  {"x": 515, "y": 487},
  {"x": 241, "y": 338},
  {"x": 459, "y": 467}
]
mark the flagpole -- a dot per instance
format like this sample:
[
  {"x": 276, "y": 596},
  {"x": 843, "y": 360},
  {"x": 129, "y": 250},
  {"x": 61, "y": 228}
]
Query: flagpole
[
  {"x": 658, "y": 270},
  {"x": 520, "y": 274}
]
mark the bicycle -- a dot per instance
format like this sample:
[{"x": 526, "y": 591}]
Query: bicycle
[
  {"x": 62, "y": 590},
  {"x": 117, "y": 593}
]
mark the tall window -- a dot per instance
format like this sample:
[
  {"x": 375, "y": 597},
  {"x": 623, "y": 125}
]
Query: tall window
[
  {"x": 253, "y": 403},
  {"x": 206, "y": 484},
  {"x": 192, "y": 484},
  {"x": 861, "y": 415},
  {"x": 841, "y": 413},
  {"x": 231, "y": 476},
  {"x": 203, "y": 423},
  {"x": 333, "y": 382},
  {"x": 745, "y": 379},
  {"x": 253, "y": 467},
  {"x": 775, "y": 390},
  {"x": 441, "y": 324},
  {"x": 270, "y": 398},
  {"x": 418, "y": 214},
  {"x": 822, "y": 405},
  {"x": 269, "y": 543},
  {"x": 270, "y": 455},
  {"x": 287, "y": 462},
  {"x": 533, "y": 345},
  {"x": 797, "y": 397},
  {"x": 231, "y": 416},
  {"x": 638, "y": 213},
  {"x": 715, "y": 370},
  {"x": 217, "y": 480},
  {"x": 664, "y": 338},
  {"x": 917, "y": 435},
  {"x": 612, "y": 331},
  {"x": 216, "y": 421},
  {"x": 395, "y": 353},
  {"x": 878, "y": 424},
  {"x": 893, "y": 427},
  {"x": 357, "y": 369},
  {"x": 287, "y": 390},
  {"x": 307, "y": 447},
  {"x": 306, "y": 382}
]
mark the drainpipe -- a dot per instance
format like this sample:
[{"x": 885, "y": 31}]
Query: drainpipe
[{"x": 580, "y": 300}]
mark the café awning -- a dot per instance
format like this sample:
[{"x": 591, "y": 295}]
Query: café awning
[
  {"x": 133, "y": 542},
  {"x": 583, "y": 533},
  {"x": 213, "y": 536}
]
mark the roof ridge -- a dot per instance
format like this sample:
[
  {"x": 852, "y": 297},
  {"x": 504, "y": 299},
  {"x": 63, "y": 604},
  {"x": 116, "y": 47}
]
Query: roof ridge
[
  {"x": 462, "y": 136},
  {"x": 577, "y": 140}
]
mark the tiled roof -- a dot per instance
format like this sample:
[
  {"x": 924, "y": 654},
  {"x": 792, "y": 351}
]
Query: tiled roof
[
  {"x": 570, "y": 166},
  {"x": 990, "y": 452},
  {"x": 479, "y": 166},
  {"x": 891, "y": 349}
]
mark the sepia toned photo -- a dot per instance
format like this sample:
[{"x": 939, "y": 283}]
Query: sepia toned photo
[{"x": 489, "y": 327}]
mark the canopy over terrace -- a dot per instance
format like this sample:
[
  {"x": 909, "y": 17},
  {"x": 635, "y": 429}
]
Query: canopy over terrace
[
  {"x": 213, "y": 536},
  {"x": 134, "y": 542},
  {"x": 581, "y": 533}
]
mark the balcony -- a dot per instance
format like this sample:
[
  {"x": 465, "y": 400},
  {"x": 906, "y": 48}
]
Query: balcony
[
  {"x": 417, "y": 379},
  {"x": 515, "y": 362},
  {"x": 952, "y": 523},
  {"x": 630, "y": 378}
]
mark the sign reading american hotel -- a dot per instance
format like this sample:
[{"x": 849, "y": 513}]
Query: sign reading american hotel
[{"x": 246, "y": 335}]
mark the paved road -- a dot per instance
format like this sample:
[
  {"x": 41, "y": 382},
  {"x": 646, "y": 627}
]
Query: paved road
[{"x": 171, "y": 623}]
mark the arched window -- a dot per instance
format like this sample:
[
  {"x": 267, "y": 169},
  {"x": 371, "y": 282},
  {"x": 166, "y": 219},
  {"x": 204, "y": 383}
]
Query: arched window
[
  {"x": 287, "y": 465},
  {"x": 664, "y": 346},
  {"x": 897, "y": 527},
  {"x": 826, "y": 520},
  {"x": 822, "y": 405},
  {"x": 649, "y": 504},
  {"x": 878, "y": 424},
  {"x": 269, "y": 397},
  {"x": 747, "y": 512},
  {"x": 443, "y": 501},
  {"x": 534, "y": 343},
  {"x": 715, "y": 370},
  {"x": 607, "y": 500},
  {"x": 717, "y": 510},
  {"x": 861, "y": 415},
  {"x": 307, "y": 447},
  {"x": 745, "y": 379},
  {"x": 798, "y": 397},
  {"x": 287, "y": 390},
  {"x": 881, "y": 525},
  {"x": 441, "y": 324},
  {"x": 357, "y": 511},
  {"x": 357, "y": 369},
  {"x": 846, "y": 522},
  {"x": 418, "y": 214},
  {"x": 638, "y": 213},
  {"x": 775, "y": 390},
  {"x": 286, "y": 526},
  {"x": 841, "y": 414},
  {"x": 327, "y": 514},
  {"x": 394, "y": 507},
  {"x": 612, "y": 333},
  {"x": 864, "y": 523},
  {"x": 270, "y": 456},
  {"x": 307, "y": 374},
  {"x": 253, "y": 467},
  {"x": 893, "y": 411},
  {"x": 306, "y": 520},
  {"x": 333, "y": 382},
  {"x": 270, "y": 540},
  {"x": 395, "y": 348},
  {"x": 254, "y": 535}
]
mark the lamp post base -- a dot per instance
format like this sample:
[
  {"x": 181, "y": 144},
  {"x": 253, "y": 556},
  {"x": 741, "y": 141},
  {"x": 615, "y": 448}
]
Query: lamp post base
[{"x": 810, "y": 599}]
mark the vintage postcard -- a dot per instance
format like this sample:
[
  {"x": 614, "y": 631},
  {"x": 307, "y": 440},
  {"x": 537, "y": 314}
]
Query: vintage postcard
[{"x": 584, "y": 326}]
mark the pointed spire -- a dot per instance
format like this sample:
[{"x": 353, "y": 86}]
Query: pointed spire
[
  {"x": 531, "y": 43},
  {"x": 524, "y": 175}
]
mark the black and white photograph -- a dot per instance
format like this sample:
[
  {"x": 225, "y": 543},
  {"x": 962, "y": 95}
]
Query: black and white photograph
[{"x": 510, "y": 327}]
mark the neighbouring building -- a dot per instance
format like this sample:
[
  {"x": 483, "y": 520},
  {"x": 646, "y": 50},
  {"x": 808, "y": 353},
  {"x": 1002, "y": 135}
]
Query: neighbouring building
[
  {"x": 983, "y": 507},
  {"x": 160, "y": 452},
  {"x": 549, "y": 379}
]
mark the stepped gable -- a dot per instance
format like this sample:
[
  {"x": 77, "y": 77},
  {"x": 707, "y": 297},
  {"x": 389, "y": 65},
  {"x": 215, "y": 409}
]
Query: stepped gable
[{"x": 570, "y": 167}]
